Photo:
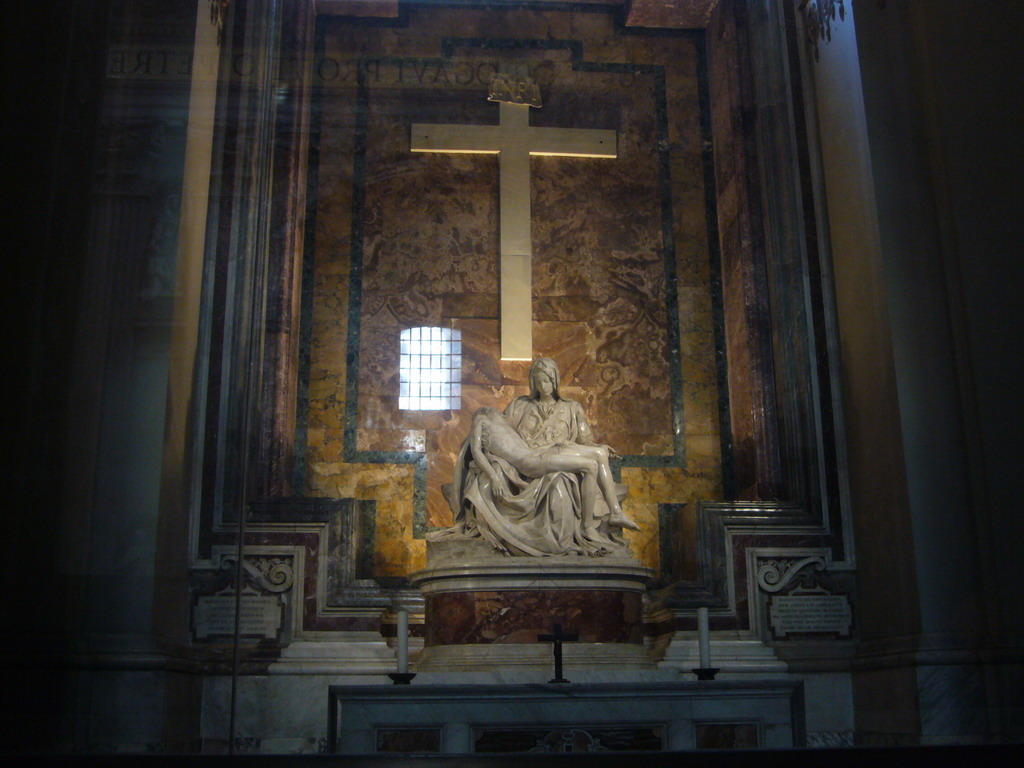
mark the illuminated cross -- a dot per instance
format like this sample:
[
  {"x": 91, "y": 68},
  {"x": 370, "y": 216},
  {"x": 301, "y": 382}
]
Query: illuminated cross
[{"x": 514, "y": 140}]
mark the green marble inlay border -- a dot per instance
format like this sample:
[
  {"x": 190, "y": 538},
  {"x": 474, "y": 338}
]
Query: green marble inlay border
[
  {"x": 418, "y": 459},
  {"x": 301, "y": 450}
]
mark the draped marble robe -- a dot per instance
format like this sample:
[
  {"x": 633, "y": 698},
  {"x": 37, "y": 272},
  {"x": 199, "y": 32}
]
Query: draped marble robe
[{"x": 542, "y": 516}]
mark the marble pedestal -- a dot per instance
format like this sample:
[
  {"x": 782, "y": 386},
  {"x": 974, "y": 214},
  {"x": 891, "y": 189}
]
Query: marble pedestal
[{"x": 484, "y": 610}]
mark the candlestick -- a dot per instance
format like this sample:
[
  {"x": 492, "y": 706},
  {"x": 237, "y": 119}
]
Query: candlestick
[
  {"x": 703, "y": 638},
  {"x": 402, "y": 640}
]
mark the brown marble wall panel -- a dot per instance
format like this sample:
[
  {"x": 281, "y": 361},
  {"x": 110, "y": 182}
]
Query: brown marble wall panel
[
  {"x": 373, "y": 482},
  {"x": 578, "y": 309},
  {"x": 519, "y": 616},
  {"x": 469, "y": 305},
  {"x": 644, "y": 543},
  {"x": 480, "y": 365},
  {"x": 572, "y": 344},
  {"x": 397, "y": 552},
  {"x": 675, "y": 14},
  {"x": 429, "y": 253},
  {"x": 755, "y": 458},
  {"x": 650, "y": 486},
  {"x": 387, "y": 439},
  {"x": 369, "y": 8},
  {"x": 599, "y": 243},
  {"x": 440, "y": 470}
]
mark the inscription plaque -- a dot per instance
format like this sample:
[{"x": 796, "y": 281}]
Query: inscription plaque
[
  {"x": 811, "y": 613},
  {"x": 259, "y": 616}
]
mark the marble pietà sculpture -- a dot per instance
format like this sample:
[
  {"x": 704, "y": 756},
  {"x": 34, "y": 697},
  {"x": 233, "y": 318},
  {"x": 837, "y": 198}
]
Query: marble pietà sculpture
[{"x": 532, "y": 480}]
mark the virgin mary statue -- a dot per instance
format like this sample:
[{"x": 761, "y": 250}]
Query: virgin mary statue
[{"x": 515, "y": 503}]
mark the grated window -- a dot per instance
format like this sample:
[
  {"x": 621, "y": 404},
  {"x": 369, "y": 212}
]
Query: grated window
[{"x": 430, "y": 369}]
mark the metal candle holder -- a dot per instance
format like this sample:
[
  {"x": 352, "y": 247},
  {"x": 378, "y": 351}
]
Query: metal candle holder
[{"x": 706, "y": 673}]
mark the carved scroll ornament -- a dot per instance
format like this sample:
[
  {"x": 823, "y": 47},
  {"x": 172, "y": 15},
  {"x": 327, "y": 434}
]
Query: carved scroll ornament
[{"x": 774, "y": 575}]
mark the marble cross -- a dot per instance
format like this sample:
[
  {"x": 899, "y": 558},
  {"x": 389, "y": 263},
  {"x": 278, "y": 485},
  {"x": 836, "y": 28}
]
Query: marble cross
[
  {"x": 557, "y": 637},
  {"x": 514, "y": 140}
]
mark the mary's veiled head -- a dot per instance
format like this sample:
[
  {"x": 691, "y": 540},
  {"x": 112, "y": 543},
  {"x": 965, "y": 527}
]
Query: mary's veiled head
[{"x": 548, "y": 367}]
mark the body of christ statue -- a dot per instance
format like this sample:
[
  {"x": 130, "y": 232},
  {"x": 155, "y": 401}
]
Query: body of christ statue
[
  {"x": 492, "y": 437},
  {"x": 532, "y": 481}
]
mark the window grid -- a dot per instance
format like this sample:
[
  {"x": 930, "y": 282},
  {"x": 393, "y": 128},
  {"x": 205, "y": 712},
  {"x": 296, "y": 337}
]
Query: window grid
[{"x": 430, "y": 369}]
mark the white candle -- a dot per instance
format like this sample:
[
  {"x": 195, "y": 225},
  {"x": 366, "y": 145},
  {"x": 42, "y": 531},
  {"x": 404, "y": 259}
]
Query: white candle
[
  {"x": 703, "y": 638},
  {"x": 402, "y": 640}
]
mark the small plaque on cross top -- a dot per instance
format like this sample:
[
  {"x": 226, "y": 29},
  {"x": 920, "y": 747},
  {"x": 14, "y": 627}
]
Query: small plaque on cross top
[{"x": 513, "y": 90}]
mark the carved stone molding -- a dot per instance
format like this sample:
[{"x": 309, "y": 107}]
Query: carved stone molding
[
  {"x": 799, "y": 592},
  {"x": 670, "y": 14},
  {"x": 271, "y": 595},
  {"x": 219, "y": 17},
  {"x": 818, "y": 17},
  {"x": 830, "y": 739},
  {"x": 718, "y": 524},
  {"x": 272, "y": 574},
  {"x": 773, "y": 575},
  {"x": 340, "y": 591}
]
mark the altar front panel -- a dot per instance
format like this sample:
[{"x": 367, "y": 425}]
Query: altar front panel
[{"x": 596, "y": 718}]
